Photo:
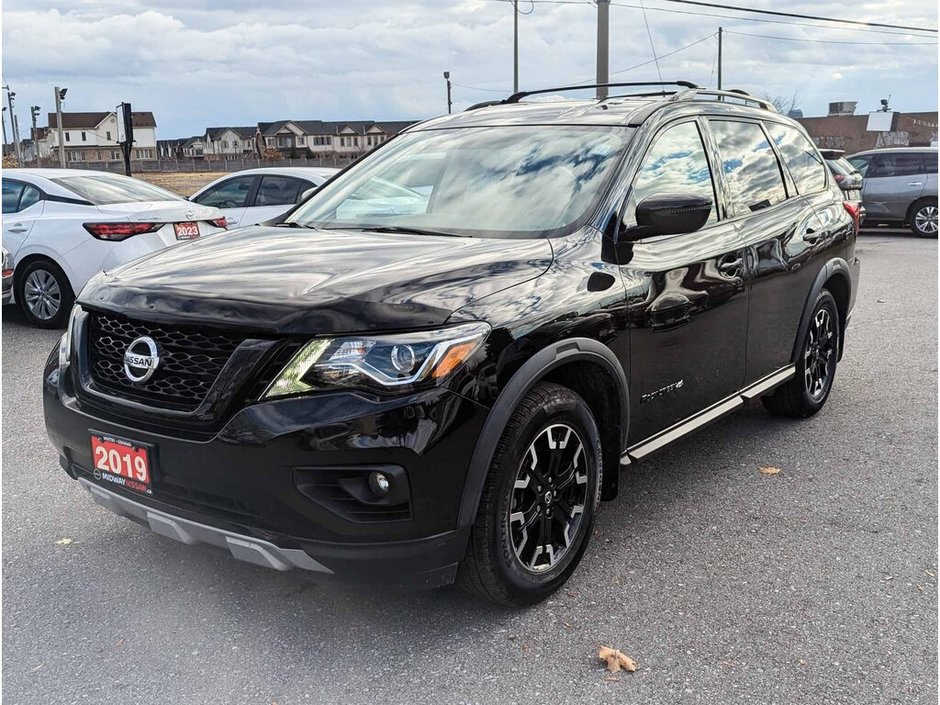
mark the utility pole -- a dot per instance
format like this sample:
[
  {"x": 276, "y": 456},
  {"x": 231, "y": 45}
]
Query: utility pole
[
  {"x": 721, "y": 31},
  {"x": 515, "y": 46},
  {"x": 603, "y": 46},
  {"x": 16, "y": 133},
  {"x": 447, "y": 78},
  {"x": 59, "y": 97},
  {"x": 4, "y": 114},
  {"x": 34, "y": 112},
  {"x": 128, "y": 142}
]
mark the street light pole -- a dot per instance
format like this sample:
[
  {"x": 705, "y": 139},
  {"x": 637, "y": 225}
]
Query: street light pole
[
  {"x": 515, "y": 46},
  {"x": 16, "y": 134},
  {"x": 721, "y": 31},
  {"x": 603, "y": 47},
  {"x": 34, "y": 112},
  {"x": 59, "y": 97},
  {"x": 4, "y": 114},
  {"x": 447, "y": 78}
]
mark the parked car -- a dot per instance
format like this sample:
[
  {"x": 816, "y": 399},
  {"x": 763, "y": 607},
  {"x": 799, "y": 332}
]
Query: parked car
[
  {"x": 900, "y": 187},
  {"x": 7, "y": 277},
  {"x": 63, "y": 226},
  {"x": 415, "y": 396},
  {"x": 254, "y": 196}
]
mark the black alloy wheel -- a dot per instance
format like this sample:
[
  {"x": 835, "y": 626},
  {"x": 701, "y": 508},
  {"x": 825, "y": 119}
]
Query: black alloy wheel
[{"x": 538, "y": 501}]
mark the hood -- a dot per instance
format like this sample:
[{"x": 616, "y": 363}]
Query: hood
[{"x": 305, "y": 281}]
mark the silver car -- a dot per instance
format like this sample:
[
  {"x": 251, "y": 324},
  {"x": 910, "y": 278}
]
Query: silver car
[
  {"x": 7, "y": 277},
  {"x": 900, "y": 186}
]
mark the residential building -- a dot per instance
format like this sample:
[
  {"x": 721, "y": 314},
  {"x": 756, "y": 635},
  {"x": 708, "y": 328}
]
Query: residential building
[
  {"x": 95, "y": 137},
  {"x": 229, "y": 141}
]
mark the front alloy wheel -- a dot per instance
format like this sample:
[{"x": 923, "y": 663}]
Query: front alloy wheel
[
  {"x": 548, "y": 498},
  {"x": 538, "y": 500}
]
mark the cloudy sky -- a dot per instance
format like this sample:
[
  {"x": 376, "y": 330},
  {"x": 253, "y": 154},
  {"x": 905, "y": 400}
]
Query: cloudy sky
[{"x": 199, "y": 63}]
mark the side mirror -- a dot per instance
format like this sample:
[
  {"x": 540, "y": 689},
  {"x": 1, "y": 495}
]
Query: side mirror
[
  {"x": 307, "y": 194},
  {"x": 668, "y": 214}
]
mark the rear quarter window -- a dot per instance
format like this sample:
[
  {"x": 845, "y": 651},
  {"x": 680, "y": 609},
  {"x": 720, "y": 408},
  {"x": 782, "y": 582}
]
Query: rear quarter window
[
  {"x": 106, "y": 189},
  {"x": 802, "y": 159},
  {"x": 749, "y": 166}
]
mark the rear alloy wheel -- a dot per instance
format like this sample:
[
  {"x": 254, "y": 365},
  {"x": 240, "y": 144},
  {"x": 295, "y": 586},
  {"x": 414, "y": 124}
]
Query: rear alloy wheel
[
  {"x": 923, "y": 220},
  {"x": 537, "y": 506},
  {"x": 807, "y": 391},
  {"x": 44, "y": 294}
]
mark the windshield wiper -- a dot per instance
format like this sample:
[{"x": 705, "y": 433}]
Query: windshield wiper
[
  {"x": 407, "y": 229},
  {"x": 293, "y": 224}
]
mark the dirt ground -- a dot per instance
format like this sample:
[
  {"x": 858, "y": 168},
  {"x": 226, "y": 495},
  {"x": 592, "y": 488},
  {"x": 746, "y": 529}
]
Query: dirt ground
[{"x": 183, "y": 183}]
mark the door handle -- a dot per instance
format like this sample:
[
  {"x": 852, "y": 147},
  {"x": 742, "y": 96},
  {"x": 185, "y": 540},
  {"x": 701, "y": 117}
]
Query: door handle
[
  {"x": 915, "y": 183},
  {"x": 730, "y": 267},
  {"x": 231, "y": 221},
  {"x": 811, "y": 236},
  {"x": 17, "y": 228}
]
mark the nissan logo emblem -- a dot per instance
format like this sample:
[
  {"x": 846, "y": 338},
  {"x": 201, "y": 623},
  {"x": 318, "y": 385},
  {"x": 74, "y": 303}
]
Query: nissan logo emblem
[
  {"x": 189, "y": 213},
  {"x": 141, "y": 359}
]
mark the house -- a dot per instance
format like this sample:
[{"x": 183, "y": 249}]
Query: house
[
  {"x": 170, "y": 149},
  {"x": 321, "y": 138},
  {"x": 94, "y": 137},
  {"x": 193, "y": 146},
  {"x": 229, "y": 141}
]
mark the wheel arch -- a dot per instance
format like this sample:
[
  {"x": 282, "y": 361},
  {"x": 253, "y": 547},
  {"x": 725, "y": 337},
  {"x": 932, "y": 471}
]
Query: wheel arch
[
  {"x": 836, "y": 278},
  {"x": 568, "y": 362},
  {"x": 911, "y": 209},
  {"x": 33, "y": 255}
]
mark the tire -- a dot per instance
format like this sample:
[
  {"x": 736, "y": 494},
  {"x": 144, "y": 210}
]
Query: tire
[
  {"x": 503, "y": 563},
  {"x": 807, "y": 392},
  {"x": 922, "y": 218},
  {"x": 44, "y": 294}
]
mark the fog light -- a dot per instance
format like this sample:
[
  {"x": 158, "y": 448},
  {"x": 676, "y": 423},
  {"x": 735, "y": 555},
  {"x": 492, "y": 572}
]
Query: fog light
[{"x": 379, "y": 484}]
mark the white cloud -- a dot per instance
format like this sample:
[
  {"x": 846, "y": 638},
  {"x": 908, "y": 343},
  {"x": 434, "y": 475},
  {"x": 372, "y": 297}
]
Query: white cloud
[{"x": 206, "y": 63}]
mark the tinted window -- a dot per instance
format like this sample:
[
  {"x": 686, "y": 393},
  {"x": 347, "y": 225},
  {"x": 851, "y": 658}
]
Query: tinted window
[
  {"x": 104, "y": 189},
  {"x": 229, "y": 194},
  {"x": 884, "y": 165},
  {"x": 749, "y": 165},
  {"x": 803, "y": 161},
  {"x": 11, "y": 195},
  {"x": 676, "y": 163},
  {"x": 31, "y": 195},
  {"x": 499, "y": 181},
  {"x": 278, "y": 191},
  {"x": 861, "y": 164},
  {"x": 930, "y": 163}
]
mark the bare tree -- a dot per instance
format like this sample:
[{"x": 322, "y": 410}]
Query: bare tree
[{"x": 783, "y": 104}]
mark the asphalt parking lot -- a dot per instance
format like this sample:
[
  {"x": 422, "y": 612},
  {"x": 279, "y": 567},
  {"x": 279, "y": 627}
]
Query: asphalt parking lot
[{"x": 816, "y": 585}]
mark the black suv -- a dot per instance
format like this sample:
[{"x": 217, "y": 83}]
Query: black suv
[{"x": 434, "y": 368}]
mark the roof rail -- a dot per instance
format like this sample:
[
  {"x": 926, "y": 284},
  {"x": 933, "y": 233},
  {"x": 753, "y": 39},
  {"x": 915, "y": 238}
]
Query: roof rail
[
  {"x": 484, "y": 104},
  {"x": 516, "y": 97},
  {"x": 734, "y": 93}
]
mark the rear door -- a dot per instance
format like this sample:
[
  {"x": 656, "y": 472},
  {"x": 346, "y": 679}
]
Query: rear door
[
  {"x": 231, "y": 196},
  {"x": 276, "y": 194},
  {"x": 686, "y": 294},
  {"x": 777, "y": 226},
  {"x": 893, "y": 181},
  {"x": 22, "y": 204}
]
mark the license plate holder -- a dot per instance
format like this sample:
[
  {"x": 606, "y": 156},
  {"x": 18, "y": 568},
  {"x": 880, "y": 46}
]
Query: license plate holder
[
  {"x": 186, "y": 231},
  {"x": 121, "y": 462}
]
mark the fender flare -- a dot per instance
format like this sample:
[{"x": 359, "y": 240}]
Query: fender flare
[
  {"x": 834, "y": 267},
  {"x": 526, "y": 377}
]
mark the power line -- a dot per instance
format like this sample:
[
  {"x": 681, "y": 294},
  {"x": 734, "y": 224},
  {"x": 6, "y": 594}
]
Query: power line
[
  {"x": 720, "y": 16},
  {"x": 649, "y": 33},
  {"x": 800, "y": 16},
  {"x": 829, "y": 41}
]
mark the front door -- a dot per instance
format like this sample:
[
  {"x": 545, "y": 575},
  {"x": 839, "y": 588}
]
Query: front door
[
  {"x": 685, "y": 294},
  {"x": 892, "y": 182}
]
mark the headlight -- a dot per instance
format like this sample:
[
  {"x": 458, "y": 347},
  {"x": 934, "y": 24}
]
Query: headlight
[
  {"x": 65, "y": 344},
  {"x": 382, "y": 362}
]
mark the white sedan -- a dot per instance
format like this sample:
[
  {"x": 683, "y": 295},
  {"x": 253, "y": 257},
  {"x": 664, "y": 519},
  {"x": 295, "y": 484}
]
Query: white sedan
[
  {"x": 63, "y": 226},
  {"x": 253, "y": 196}
]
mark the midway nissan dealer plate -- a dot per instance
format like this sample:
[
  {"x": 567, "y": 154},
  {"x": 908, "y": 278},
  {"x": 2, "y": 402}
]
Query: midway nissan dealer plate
[
  {"x": 186, "y": 231},
  {"x": 121, "y": 462}
]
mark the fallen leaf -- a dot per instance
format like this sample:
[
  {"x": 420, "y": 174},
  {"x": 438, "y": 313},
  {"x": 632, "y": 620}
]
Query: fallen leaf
[
  {"x": 525, "y": 648},
  {"x": 63, "y": 542},
  {"x": 932, "y": 575},
  {"x": 567, "y": 625},
  {"x": 616, "y": 659},
  {"x": 38, "y": 667},
  {"x": 769, "y": 470}
]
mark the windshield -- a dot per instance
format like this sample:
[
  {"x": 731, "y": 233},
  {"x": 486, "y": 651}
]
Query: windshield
[
  {"x": 105, "y": 189},
  {"x": 504, "y": 181}
]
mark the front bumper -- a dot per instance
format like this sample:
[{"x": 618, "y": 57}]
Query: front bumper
[{"x": 245, "y": 488}]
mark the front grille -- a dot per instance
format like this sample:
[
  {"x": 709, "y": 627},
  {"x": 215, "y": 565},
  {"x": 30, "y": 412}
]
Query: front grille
[{"x": 191, "y": 359}]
